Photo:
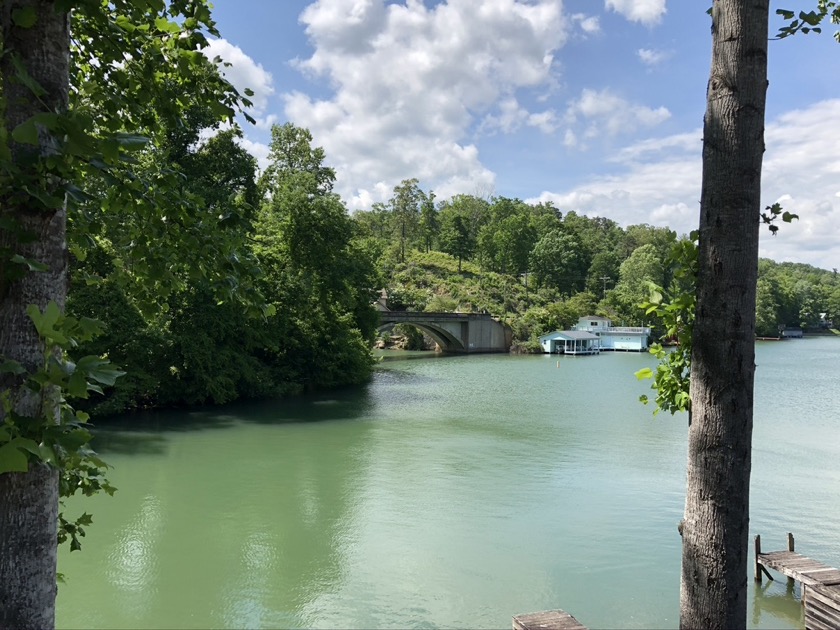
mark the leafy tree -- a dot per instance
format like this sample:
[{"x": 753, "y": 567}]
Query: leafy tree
[
  {"x": 54, "y": 140},
  {"x": 405, "y": 208},
  {"x": 475, "y": 210},
  {"x": 545, "y": 218},
  {"x": 766, "y": 309},
  {"x": 318, "y": 279},
  {"x": 596, "y": 234},
  {"x": 373, "y": 223},
  {"x": 429, "y": 224},
  {"x": 557, "y": 261},
  {"x": 603, "y": 272},
  {"x": 636, "y": 274},
  {"x": 505, "y": 242},
  {"x": 455, "y": 238},
  {"x": 291, "y": 151}
]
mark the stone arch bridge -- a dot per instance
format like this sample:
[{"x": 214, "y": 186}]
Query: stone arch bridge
[{"x": 455, "y": 332}]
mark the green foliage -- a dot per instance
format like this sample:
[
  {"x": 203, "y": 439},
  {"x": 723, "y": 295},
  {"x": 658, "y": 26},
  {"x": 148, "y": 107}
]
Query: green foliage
[
  {"x": 455, "y": 237},
  {"x": 675, "y": 311},
  {"x": 641, "y": 269},
  {"x": 506, "y": 240},
  {"x": 60, "y": 438},
  {"x": 557, "y": 260},
  {"x": 774, "y": 212},
  {"x": 317, "y": 323},
  {"x": 809, "y": 22}
]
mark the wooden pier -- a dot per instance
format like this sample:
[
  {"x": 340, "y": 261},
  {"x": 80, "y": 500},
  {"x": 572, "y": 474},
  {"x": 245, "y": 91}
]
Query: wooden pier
[
  {"x": 547, "y": 620},
  {"x": 820, "y": 583}
]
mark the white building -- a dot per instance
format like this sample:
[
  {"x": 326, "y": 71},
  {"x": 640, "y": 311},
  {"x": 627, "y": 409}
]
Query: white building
[
  {"x": 570, "y": 342},
  {"x": 627, "y": 338}
]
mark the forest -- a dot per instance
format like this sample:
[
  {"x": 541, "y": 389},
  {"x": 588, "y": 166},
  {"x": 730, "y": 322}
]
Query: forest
[{"x": 318, "y": 268}]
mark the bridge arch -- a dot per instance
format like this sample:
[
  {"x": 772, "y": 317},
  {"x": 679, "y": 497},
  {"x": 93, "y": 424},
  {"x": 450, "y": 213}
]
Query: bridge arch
[
  {"x": 455, "y": 332},
  {"x": 442, "y": 337}
]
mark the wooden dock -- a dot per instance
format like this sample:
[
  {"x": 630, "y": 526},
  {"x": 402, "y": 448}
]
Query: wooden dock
[
  {"x": 820, "y": 583},
  {"x": 547, "y": 620}
]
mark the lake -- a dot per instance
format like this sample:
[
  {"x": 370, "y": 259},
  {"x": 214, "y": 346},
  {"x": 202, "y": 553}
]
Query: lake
[{"x": 449, "y": 492}]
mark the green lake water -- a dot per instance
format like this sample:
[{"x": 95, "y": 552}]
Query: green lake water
[{"x": 450, "y": 492}]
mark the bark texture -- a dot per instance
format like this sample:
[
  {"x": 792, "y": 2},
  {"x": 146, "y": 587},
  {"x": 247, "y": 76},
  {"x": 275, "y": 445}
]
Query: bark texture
[
  {"x": 28, "y": 517},
  {"x": 29, "y": 501},
  {"x": 715, "y": 534}
]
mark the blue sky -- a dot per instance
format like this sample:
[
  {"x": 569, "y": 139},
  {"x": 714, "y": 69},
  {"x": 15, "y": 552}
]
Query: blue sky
[{"x": 595, "y": 105}]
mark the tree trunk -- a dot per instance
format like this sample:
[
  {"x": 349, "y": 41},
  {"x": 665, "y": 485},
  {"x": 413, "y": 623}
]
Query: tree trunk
[
  {"x": 28, "y": 520},
  {"x": 29, "y": 501},
  {"x": 715, "y": 533}
]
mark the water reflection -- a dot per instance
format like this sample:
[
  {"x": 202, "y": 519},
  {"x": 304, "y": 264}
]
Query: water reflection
[
  {"x": 777, "y": 600},
  {"x": 238, "y": 521},
  {"x": 449, "y": 493}
]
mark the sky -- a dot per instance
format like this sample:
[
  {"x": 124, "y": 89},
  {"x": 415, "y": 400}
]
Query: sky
[{"x": 594, "y": 105}]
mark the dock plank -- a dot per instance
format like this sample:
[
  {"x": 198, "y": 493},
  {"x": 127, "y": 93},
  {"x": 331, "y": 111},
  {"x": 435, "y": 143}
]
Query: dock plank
[
  {"x": 820, "y": 583},
  {"x": 547, "y": 620},
  {"x": 801, "y": 568},
  {"x": 822, "y": 610}
]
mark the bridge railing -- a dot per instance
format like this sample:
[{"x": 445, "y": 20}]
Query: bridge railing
[{"x": 420, "y": 315}]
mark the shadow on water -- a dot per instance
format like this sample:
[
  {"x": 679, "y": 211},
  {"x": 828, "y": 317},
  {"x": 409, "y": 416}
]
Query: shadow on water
[
  {"x": 146, "y": 432},
  {"x": 213, "y": 530},
  {"x": 386, "y": 356},
  {"x": 779, "y": 601}
]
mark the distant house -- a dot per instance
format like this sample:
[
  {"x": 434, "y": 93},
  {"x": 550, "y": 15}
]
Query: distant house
[
  {"x": 626, "y": 338},
  {"x": 570, "y": 342}
]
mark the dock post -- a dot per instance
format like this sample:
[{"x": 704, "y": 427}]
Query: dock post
[
  {"x": 760, "y": 568},
  {"x": 792, "y": 548}
]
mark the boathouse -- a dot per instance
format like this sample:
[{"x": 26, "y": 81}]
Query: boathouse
[
  {"x": 625, "y": 338},
  {"x": 570, "y": 342},
  {"x": 792, "y": 333}
]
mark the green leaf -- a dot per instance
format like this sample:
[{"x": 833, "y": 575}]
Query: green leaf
[
  {"x": 73, "y": 440},
  {"x": 25, "y": 17},
  {"x": 23, "y": 76},
  {"x": 77, "y": 385},
  {"x": 45, "y": 322},
  {"x": 644, "y": 373},
  {"x": 46, "y": 454},
  {"x": 32, "y": 265},
  {"x": 12, "y": 459},
  {"x": 84, "y": 520},
  {"x": 26, "y": 133},
  {"x": 131, "y": 141},
  {"x": 9, "y": 366},
  {"x": 100, "y": 370}
]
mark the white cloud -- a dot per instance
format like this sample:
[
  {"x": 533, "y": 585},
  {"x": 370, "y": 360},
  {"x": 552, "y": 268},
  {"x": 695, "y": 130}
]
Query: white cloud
[
  {"x": 605, "y": 113},
  {"x": 411, "y": 81},
  {"x": 244, "y": 73},
  {"x": 651, "y": 57},
  {"x": 648, "y": 12},
  {"x": 689, "y": 143},
  {"x": 589, "y": 24},
  {"x": 659, "y": 183},
  {"x": 511, "y": 116},
  {"x": 257, "y": 149}
]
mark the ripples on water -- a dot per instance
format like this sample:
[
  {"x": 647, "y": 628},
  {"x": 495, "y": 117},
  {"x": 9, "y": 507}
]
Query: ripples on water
[{"x": 452, "y": 492}]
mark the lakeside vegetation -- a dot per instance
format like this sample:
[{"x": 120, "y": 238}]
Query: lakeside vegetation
[{"x": 317, "y": 269}]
